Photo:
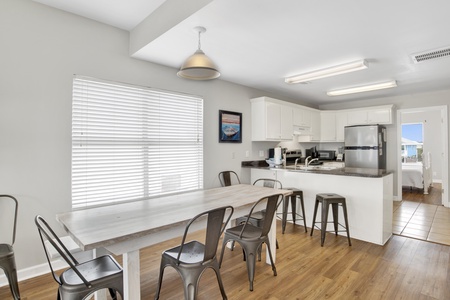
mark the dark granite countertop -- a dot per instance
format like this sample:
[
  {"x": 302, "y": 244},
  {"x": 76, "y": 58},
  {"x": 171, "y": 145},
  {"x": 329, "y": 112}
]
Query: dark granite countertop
[{"x": 358, "y": 172}]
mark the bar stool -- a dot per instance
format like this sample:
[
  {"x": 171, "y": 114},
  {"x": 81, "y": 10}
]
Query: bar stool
[
  {"x": 335, "y": 200},
  {"x": 296, "y": 194}
]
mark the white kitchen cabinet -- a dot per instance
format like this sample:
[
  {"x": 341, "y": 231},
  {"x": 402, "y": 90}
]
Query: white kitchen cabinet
[
  {"x": 302, "y": 117},
  {"x": 328, "y": 126},
  {"x": 314, "y": 132},
  {"x": 374, "y": 115},
  {"x": 341, "y": 122},
  {"x": 271, "y": 120}
]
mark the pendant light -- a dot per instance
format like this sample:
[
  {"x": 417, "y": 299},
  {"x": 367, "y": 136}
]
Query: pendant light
[{"x": 198, "y": 66}]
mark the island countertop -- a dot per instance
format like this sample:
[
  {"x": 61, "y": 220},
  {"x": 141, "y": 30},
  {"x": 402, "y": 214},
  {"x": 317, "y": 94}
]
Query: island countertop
[{"x": 357, "y": 172}]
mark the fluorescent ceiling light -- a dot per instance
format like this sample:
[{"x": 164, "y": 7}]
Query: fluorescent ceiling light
[
  {"x": 332, "y": 71},
  {"x": 365, "y": 88}
]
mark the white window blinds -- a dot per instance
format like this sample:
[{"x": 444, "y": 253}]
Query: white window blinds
[{"x": 131, "y": 143}]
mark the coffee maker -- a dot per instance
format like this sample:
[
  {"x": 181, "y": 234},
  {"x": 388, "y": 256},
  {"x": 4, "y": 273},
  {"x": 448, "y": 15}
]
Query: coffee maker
[{"x": 312, "y": 152}]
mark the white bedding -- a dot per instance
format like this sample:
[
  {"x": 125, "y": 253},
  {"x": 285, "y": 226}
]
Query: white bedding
[
  {"x": 416, "y": 175},
  {"x": 412, "y": 175}
]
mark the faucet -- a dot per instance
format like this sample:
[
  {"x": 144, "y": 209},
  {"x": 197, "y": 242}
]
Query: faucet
[
  {"x": 314, "y": 159},
  {"x": 296, "y": 161},
  {"x": 307, "y": 161}
]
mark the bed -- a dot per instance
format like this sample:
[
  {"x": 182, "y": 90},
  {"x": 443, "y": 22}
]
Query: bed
[{"x": 418, "y": 175}]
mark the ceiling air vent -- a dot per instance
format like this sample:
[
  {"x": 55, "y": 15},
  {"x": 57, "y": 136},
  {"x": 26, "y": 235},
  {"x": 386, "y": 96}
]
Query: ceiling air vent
[{"x": 432, "y": 54}]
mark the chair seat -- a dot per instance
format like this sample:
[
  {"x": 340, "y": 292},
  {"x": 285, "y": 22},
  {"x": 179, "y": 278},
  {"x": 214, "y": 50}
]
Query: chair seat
[
  {"x": 250, "y": 232},
  {"x": 6, "y": 250},
  {"x": 193, "y": 253},
  {"x": 92, "y": 270}
]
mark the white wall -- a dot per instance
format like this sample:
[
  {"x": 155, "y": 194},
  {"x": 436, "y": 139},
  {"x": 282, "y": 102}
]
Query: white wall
[{"x": 41, "y": 49}]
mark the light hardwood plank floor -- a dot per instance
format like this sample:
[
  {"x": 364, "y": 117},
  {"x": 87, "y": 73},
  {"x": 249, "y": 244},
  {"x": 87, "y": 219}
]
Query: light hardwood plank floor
[{"x": 404, "y": 268}]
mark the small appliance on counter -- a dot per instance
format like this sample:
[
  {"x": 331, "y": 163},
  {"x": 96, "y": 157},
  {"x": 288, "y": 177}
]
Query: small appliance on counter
[
  {"x": 312, "y": 152},
  {"x": 292, "y": 155},
  {"x": 327, "y": 154}
]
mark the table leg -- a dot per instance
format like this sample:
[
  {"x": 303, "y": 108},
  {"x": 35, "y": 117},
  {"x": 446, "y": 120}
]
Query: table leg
[
  {"x": 131, "y": 275},
  {"x": 273, "y": 241}
]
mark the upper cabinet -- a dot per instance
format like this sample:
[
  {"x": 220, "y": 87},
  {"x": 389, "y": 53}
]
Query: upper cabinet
[
  {"x": 271, "y": 120},
  {"x": 371, "y": 115},
  {"x": 341, "y": 122},
  {"x": 276, "y": 120},
  {"x": 328, "y": 126},
  {"x": 301, "y": 117}
]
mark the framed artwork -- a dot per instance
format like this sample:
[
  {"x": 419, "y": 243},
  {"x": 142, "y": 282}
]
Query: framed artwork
[{"x": 230, "y": 127}]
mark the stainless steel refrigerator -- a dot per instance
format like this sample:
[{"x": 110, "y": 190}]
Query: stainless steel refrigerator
[{"x": 365, "y": 146}]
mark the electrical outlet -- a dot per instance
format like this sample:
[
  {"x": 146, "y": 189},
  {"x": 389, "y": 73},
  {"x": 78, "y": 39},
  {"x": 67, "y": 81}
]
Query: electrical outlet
[
  {"x": 233, "y": 155},
  {"x": 261, "y": 153},
  {"x": 247, "y": 153}
]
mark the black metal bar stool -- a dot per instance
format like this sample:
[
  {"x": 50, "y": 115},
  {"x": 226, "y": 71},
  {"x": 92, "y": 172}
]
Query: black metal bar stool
[
  {"x": 335, "y": 200},
  {"x": 296, "y": 194}
]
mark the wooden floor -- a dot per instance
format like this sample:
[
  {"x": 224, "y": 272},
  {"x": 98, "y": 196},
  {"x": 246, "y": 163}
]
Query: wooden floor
[
  {"x": 404, "y": 268},
  {"x": 434, "y": 195}
]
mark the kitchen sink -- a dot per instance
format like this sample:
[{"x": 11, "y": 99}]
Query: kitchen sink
[{"x": 307, "y": 168}]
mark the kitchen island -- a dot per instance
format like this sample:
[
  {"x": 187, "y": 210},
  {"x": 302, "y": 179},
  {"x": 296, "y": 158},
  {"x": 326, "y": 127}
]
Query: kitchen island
[{"x": 368, "y": 193}]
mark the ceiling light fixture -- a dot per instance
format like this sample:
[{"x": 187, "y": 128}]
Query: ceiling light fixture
[
  {"x": 327, "y": 72},
  {"x": 365, "y": 88},
  {"x": 198, "y": 66}
]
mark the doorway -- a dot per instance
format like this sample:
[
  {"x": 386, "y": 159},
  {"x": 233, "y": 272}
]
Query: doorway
[{"x": 433, "y": 146}]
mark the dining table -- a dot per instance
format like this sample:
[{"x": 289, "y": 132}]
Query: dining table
[{"x": 124, "y": 229}]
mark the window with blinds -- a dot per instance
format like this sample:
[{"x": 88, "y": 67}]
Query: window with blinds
[{"x": 132, "y": 143}]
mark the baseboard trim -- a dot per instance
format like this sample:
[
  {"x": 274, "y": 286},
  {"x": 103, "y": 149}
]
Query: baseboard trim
[{"x": 34, "y": 271}]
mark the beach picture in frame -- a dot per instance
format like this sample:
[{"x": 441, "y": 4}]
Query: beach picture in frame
[{"x": 230, "y": 127}]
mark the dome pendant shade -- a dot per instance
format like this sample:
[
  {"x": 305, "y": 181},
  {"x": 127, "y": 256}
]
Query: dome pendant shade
[{"x": 198, "y": 66}]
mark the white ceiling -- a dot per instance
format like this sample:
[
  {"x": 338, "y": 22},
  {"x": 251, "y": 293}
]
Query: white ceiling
[{"x": 258, "y": 42}]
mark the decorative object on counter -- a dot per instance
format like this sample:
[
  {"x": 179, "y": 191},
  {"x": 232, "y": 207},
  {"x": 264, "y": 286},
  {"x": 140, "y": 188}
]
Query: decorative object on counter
[
  {"x": 271, "y": 162},
  {"x": 277, "y": 155},
  {"x": 230, "y": 127},
  {"x": 335, "y": 200},
  {"x": 198, "y": 66}
]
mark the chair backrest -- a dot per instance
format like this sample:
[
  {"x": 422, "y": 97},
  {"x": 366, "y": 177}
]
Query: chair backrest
[
  {"x": 227, "y": 178},
  {"x": 215, "y": 226},
  {"x": 47, "y": 234},
  {"x": 8, "y": 218},
  {"x": 267, "y": 182},
  {"x": 271, "y": 207}
]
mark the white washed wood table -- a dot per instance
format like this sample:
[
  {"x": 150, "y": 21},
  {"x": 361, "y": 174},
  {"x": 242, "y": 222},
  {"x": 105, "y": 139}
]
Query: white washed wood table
[{"x": 123, "y": 229}]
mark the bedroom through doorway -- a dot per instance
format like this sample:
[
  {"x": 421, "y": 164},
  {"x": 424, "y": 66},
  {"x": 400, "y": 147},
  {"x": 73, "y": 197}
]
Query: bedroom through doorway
[{"x": 418, "y": 184}]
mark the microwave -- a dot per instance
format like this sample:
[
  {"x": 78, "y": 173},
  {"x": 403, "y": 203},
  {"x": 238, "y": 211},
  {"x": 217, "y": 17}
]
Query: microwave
[{"x": 327, "y": 154}]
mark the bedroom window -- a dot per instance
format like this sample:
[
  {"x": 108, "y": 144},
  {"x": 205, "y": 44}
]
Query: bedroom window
[
  {"x": 131, "y": 143},
  {"x": 412, "y": 142}
]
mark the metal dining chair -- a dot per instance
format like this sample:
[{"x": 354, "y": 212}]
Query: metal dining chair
[
  {"x": 9, "y": 205},
  {"x": 251, "y": 237},
  {"x": 81, "y": 279},
  {"x": 228, "y": 178},
  {"x": 191, "y": 259},
  {"x": 257, "y": 217}
]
